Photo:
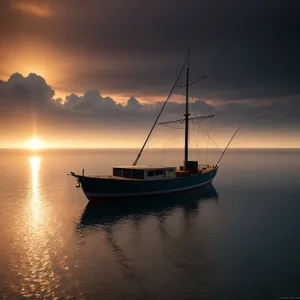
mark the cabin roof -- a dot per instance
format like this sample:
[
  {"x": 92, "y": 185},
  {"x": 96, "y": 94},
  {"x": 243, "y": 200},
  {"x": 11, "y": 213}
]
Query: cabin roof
[{"x": 150, "y": 167}]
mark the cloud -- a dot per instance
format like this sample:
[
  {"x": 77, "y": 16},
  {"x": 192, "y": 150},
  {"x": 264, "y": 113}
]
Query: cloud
[
  {"x": 133, "y": 104},
  {"x": 32, "y": 98},
  {"x": 21, "y": 93},
  {"x": 248, "y": 50}
]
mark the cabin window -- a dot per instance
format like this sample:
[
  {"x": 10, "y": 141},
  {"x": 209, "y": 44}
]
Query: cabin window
[
  {"x": 138, "y": 174},
  {"x": 127, "y": 173},
  {"x": 159, "y": 172},
  {"x": 170, "y": 174},
  {"x": 150, "y": 173},
  {"x": 117, "y": 172}
]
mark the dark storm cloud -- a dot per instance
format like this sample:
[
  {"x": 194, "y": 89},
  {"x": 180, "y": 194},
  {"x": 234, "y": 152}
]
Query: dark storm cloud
[
  {"x": 90, "y": 101},
  {"x": 21, "y": 93},
  {"x": 248, "y": 49},
  {"x": 24, "y": 100}
]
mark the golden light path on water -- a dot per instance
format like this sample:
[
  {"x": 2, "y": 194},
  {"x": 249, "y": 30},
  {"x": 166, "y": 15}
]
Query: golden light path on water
[
  {"x": 38, "y": 243},
  {"x": 35, "y": 166},
  {"x": 39, "y": 278}
]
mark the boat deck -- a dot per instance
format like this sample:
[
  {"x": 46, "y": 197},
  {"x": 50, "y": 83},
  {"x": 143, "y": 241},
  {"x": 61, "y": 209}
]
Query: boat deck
[
  {"x": 179, "y": 173},
  {"x": 201, "y": 169}
]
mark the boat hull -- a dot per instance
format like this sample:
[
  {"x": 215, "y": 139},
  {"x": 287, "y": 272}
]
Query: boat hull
[{"x": 102, "y": 188}]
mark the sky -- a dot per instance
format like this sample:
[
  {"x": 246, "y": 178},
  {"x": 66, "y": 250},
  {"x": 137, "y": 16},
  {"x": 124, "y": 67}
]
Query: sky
[{"x": 95, "y": 74}]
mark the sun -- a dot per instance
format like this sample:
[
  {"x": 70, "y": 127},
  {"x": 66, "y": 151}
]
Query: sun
[{"x": 35, "y": 143}]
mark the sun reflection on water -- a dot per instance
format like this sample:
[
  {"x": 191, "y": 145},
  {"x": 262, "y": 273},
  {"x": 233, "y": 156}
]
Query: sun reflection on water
[
  {"x": 35, "y": 162},
  {"x": 35, "y": 166},
  {"x": 37, "y": 242}
]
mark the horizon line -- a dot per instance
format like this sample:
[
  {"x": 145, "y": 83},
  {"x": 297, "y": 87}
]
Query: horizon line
[{"x": 135, "y": 148}]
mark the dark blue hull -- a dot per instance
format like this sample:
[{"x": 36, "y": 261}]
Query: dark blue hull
[{"x": 97, "y": 188}]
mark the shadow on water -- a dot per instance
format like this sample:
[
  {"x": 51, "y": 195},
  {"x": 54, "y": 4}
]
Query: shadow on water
[{"x": 106, "y": 213}]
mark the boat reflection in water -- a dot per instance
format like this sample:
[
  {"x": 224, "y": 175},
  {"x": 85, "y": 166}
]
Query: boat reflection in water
[
  {"x": 160, "y": 244},
  {"x": 111, "y": 212}
]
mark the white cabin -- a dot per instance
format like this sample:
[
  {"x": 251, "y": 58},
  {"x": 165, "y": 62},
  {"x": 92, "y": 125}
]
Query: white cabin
[{"x": 144, "y": 172}]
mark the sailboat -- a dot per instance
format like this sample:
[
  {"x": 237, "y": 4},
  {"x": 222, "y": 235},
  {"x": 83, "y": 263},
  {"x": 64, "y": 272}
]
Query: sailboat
[{"x": 147, "y": 180}]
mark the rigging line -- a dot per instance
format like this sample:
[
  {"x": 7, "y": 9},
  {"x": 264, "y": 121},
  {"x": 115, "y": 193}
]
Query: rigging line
[
  {"x": 178, "y": 139},
  {"x": 198, "y": 140},
  {"x": 191, "y": 137},
  {"x": 165, "y": 141},
  {"x": 193, "y": 120},
  {"x": 168, "y": 140},
  {"x": 151, "y": 138},
  {"x": 138, "y": 156},
  {"x": 207, "y": 131},
  {"x": 172, "y": 136},
  {"x": 180, "y": 123},
  {"x": 192, "y": 103},
  {"x": 160, "y": 138},
  {"x": 196, "y": 146},
  {"x": 184, "y": 83},
  {"x": 207, "y": 134},
  {"x": 209, "y": 138},
  {"x": 161, "y": 148},
  {"x": 203, "y": 128},
  {"x": 229, "y": 144},
  {"x": 197, "y": 114},
  {"x": 206, "y": 151},
  {"x": 215, "y": 142}
]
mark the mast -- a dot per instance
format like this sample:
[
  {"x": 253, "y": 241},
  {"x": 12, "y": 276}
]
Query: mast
[
  {"x": 186, "y": 120},
  {"x": 186, "y": 144}
]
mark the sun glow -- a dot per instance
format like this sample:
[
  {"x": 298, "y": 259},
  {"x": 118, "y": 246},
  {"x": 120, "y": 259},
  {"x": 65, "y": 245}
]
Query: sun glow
[
  {"x": 38, "y": 10},
  {"x": 35, "y": 144}
]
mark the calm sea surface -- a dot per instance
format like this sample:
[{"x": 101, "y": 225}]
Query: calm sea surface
[{"x": 237, "y": 240}]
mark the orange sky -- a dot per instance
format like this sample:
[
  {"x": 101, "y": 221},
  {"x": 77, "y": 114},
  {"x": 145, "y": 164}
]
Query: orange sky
[
  {"x": 118, "y": 50},
  {"x": 105, "y": 139}
]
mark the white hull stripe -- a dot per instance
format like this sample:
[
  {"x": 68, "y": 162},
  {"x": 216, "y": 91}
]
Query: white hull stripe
[{"x": 112, "y": 195}]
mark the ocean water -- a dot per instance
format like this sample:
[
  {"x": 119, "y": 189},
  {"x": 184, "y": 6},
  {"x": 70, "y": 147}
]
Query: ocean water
[{"x": 236, "y": 240}]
